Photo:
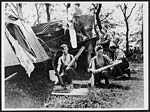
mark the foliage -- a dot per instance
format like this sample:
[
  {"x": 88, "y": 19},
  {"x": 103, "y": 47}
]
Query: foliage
[
  {"x": 109, "y": 15},
  {"x": 126, "y": 13}
]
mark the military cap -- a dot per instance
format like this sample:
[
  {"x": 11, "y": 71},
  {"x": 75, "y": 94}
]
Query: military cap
[
  {"x": 64, "y": 45},
  {"x": 98, "y": 47}
]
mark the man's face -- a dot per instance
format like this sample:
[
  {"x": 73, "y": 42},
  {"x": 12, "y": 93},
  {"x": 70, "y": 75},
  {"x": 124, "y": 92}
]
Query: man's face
[
  {"x": 65, "y": 50},
  {"x": 99, "y": 52},
  {"x": 112, "y": 49}
]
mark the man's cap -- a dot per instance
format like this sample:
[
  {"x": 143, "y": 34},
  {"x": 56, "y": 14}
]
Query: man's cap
[
  {"x": 64, "y": 45},
  {"x": 98, "y": 47}
]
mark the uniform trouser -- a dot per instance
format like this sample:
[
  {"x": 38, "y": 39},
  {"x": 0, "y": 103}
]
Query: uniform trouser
[
  {"x": 100, "y": 76},
  {"x": 119, "y": 69},
  {"x": 67, "y": 77}
]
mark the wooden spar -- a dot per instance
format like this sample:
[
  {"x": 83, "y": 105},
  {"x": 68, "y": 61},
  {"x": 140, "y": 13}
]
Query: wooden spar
[
  {"x": 57, "y": 74},
  {"x": 92, "y": 81},
  {"x": 77, "y": 55},
  {"x": 73, "y": 38},
  {"x": 106, "y": 67},
  {"x": 80, "y": 51},
  {"x": 11, "y": 76},
  {"x": 103, "y": 68}
]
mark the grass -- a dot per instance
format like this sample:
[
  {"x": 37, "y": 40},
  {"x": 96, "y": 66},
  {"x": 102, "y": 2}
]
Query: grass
[{"x": 20, "y": 92}]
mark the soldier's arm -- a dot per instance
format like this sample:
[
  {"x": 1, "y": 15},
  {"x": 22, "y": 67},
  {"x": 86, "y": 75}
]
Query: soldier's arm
[
  {"x": 120, "y": 55},
  {"x": 72, "y": 62},
  {"x": 108, "y": 59},
  {"x": 91, "y": 67},
  {"x": 59, "y": 64},
  {"x": 108, "y": 39}
]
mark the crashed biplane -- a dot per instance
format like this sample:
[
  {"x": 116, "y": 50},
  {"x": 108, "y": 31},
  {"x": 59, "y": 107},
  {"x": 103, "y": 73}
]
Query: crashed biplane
[{"x": 53, "y": 34}]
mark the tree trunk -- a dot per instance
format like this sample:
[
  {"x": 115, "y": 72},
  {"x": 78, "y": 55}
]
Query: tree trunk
[
  {"x": 97, "y": 35},
  {"x": 67, "y": 8},
  {"x": 127, "y": 38},
  {"x": 98, "y": 19},
  {"x": 38, "y": 16},
  {"x": 47, "y": 12},
  {"x": 126, "y": 18},
  {"x": 95, "y": 29},
  {"x": 142, "y": 36},
  {"x": 142, "y": 30}
]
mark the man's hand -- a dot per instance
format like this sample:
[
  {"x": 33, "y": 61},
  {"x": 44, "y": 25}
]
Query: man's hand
[
  {"x": 56, "y": 73},
  {"x": 91, "y": 70},
  {"x": 76, "y": 58},
  {"x": 112, "y": 68},
  {"x": 111, "y": 62},
  {"x": 68, "y": 67}
]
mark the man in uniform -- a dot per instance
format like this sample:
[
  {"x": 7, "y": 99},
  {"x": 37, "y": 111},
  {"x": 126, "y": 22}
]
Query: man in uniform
[
  {"x": 99, "y": 61},
  {"x": 118, "y": 54},
  {"x": 64, "y": 68},
  {"x": 78, "y": 24}
]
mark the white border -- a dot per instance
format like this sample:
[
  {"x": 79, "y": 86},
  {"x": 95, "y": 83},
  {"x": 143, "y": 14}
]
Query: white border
[
  {"x": 3, "y": 77},
  {"x": 146, "y": 52},
  {"x": 145, "y": 35}
]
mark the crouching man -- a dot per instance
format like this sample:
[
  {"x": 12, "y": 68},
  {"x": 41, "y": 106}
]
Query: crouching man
[
  {"x": 99, "y": 61},
  {"x": 64, "y": 68},
  {"x": 117, "y": 54}
]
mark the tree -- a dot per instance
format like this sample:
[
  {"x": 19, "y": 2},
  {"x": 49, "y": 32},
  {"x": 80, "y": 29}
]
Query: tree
[
  {"x": 38, "y": 15},
  {"x": 16, "y": 9},
  {"x": 142, "y": 33},
  {"x": 97, "y": 9},
  {"x": 102, "y": 18},
  {"x": 48, "y": 11},
  {"x": 139, "y": 21},
  {"x": 124, "y": 9},
  {"x": 67, "y": 7}
]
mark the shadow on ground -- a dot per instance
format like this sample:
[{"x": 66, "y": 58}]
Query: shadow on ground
[
  {"x": 115, "y": 86},
  {"x": 76, "y": 86},
  {"x": 23, "y": 92},
  {"x": 131, "y": 78},
  {"x": 110, "y": 86},
  {"x": 136, "y": 78}
]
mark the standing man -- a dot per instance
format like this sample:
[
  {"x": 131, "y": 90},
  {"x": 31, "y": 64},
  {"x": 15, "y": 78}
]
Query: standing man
[
  {"x": 64, "y": 68},
  {"x": 78, "y": 24},
  {"x": 118, "y": 54}
]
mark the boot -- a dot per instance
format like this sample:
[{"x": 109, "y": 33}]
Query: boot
[{"x": 127, "y": 71}]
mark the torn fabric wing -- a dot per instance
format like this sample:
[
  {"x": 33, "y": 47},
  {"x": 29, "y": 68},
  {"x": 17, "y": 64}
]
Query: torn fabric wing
[{"x": 25, "y": 60}]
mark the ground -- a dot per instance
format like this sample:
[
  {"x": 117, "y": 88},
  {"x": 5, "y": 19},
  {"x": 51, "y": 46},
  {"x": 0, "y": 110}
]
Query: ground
[{"x": 20, "y": 92}]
